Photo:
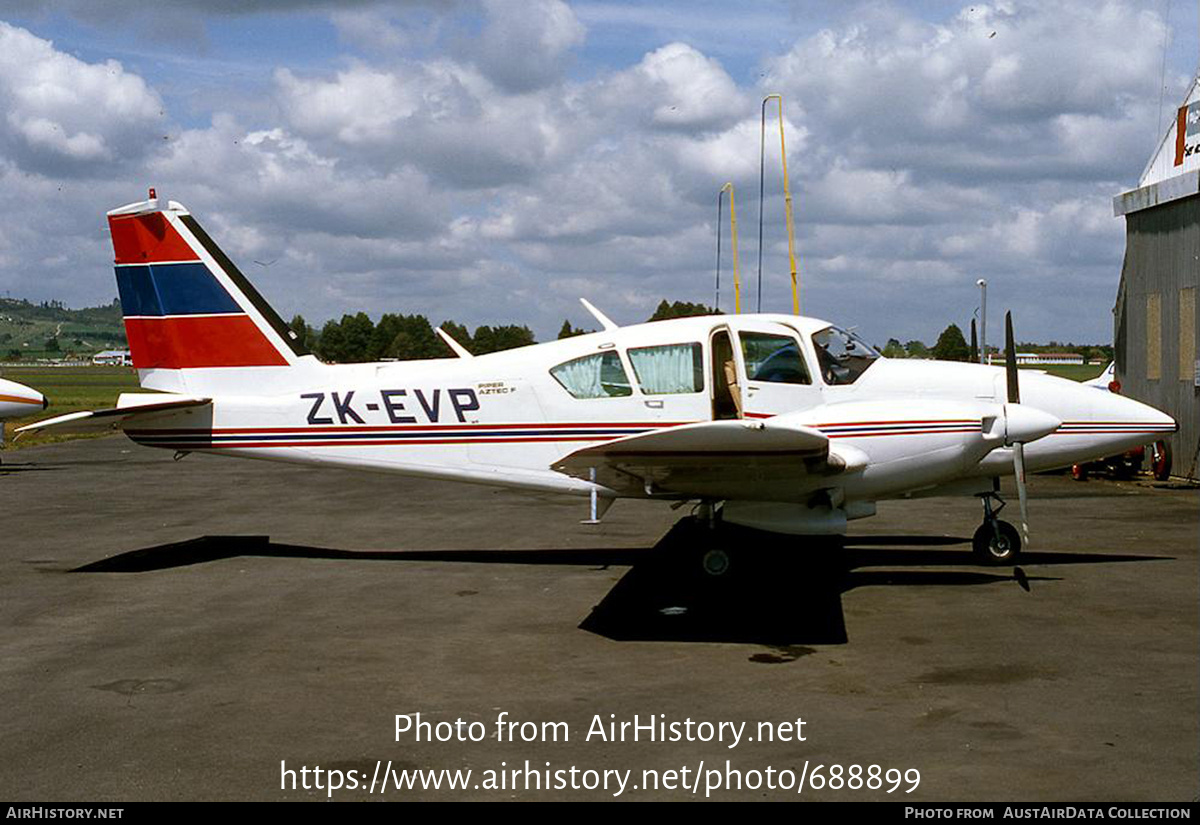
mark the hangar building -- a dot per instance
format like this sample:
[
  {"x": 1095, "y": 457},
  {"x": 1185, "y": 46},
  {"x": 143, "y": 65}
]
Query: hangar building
[{"x": 1155, "y": 326}]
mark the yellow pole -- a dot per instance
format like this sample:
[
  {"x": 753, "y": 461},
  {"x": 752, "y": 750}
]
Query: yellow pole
[
  {"x": 737, "y": 281},
  {"x": 787, "y": 202}
]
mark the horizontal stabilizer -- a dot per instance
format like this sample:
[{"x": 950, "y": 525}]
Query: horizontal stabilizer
[
  {"x": 129, "y": 406},
  {"x": 719, "y": 459}
]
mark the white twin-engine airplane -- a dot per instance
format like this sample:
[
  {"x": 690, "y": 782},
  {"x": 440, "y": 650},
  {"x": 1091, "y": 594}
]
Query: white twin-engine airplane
[{"x": 777, "y": 422}]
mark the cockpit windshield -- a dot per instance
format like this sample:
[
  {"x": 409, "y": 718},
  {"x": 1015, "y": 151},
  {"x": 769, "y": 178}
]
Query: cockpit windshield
[{"x": 843, "y": 356}]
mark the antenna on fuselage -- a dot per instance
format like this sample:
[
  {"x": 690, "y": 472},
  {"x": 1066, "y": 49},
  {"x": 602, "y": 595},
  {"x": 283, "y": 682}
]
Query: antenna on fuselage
[
  {"x": 604, "y": 320},
  {"x": 459, "y": 349}
]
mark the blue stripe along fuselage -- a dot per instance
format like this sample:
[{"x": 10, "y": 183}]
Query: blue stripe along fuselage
[
  {"x": 468, "y": 434},
  {"x": 500, "y": 433},
  {"x": 156, "y": 290}
]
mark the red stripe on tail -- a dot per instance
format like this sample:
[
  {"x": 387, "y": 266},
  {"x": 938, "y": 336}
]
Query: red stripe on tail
[
  {"x": 199, "y": 341},
  {"x": 140, "y": 239}
]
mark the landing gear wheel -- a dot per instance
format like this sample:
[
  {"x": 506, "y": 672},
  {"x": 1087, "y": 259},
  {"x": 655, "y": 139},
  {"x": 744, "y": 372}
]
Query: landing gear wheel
[
  {"x": 716, "y": 562},
  {"x": 1000, "y": 544},
  {"x": 1160, "y": 461},
  {"x": 1126, "y": 468}
]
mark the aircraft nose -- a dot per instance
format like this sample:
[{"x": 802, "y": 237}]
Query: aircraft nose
[
  {"x": 1159, "y": 419},
  {"x": 1094, "y": 411},
  {"x": 1121, "y": 411}
]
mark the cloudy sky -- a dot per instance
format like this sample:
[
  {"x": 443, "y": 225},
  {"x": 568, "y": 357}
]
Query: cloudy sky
[{"x": 491, "y": 161}]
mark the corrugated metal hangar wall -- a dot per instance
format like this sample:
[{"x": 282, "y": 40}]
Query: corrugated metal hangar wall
[{"x": 1156, "y": 324}]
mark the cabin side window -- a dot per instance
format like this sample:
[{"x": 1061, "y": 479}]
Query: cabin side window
[
  {"x": 773, "y": 358},
  {"x": 594, "y": 376},
  {"x": 669, "y": 369}
]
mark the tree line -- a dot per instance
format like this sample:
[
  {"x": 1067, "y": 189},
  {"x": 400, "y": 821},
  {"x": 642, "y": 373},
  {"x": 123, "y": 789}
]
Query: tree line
[
  {"x": 356, "y": 338},
  {"x": 952, "y": 346}
]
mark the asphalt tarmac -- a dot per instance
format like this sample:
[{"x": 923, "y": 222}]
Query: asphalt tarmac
[{"x": 143, "y": 661}]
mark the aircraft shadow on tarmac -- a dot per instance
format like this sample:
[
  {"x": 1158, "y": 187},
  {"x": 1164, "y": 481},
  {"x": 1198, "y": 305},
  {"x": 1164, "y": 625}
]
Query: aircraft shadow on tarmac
[
  {"x": 11, "y": 468},
  {"x": 771, "y": 594}
]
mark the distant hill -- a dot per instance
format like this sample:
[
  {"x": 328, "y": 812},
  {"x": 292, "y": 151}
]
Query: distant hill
[{"x": 29, "y": 330}]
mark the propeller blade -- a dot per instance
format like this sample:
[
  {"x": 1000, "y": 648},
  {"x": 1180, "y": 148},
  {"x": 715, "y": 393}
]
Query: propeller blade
[
  {"x": 974, "y": 343},
  {"x": 1010, "y": 361},
  {"x": 1019, "y": 471}
]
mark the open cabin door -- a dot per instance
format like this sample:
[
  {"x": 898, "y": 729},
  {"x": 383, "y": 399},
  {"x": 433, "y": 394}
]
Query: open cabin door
[
  {"x": 772, "y": 369},
  {"x": 726, "y": 393}
]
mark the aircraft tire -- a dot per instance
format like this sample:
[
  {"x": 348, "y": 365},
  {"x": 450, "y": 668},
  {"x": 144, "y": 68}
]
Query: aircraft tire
[
  {"x": 715, "y": 562},
  {"x": 991, "y": 549},
  {"x": 1160, "y": 461}
]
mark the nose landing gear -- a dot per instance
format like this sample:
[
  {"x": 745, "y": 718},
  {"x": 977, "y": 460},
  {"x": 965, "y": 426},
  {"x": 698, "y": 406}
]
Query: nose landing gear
[{"x": 995, "y": 542}]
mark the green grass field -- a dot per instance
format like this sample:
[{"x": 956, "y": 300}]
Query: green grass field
[
  {"x": 1082, "y": 372},
  {"x": 69, "y": 389}
]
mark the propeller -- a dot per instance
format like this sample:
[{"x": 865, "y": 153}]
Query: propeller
[
  {"x": 1014, "y": 398},
  {"x": 974, "y": 343}
]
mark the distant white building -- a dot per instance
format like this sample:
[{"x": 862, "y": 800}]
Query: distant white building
[
  {"x": 113, "y": 358},
  {"x": 1032, "y": 358}
]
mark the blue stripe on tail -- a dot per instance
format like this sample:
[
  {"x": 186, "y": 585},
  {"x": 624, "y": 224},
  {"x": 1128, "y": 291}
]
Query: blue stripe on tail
[{"x": 172, "y": 289}]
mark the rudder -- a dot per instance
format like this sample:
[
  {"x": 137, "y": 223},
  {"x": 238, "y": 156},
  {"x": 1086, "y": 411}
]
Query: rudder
[{"x": 190, "y": 314}]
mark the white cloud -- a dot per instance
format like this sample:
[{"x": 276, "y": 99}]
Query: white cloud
[
  {"x": 461, "y": 165},
  {"x": 526, "y": 46},
  {"x": 62, "y": 114},
  {"x": 442, "y": 115},
  {"x": 270, "y": 178},
  {"x": 675, "y": 87},
  {"x": 985, "y": 90},
  {"x": 694, "y": 91},
  {"x": 359, "y": 105}
]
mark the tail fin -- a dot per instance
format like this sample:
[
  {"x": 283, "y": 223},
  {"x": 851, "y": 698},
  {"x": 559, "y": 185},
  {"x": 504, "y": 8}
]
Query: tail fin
[{"x": 194, "y": 323}]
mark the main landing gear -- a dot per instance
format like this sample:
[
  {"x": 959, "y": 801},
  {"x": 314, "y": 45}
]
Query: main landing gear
[
  {"x": 996, "y": 541},
  {"x": 713, "y": 542}
]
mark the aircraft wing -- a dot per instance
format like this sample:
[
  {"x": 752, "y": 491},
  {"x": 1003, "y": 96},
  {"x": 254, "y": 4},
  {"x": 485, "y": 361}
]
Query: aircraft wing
[
  {"x": 129, "y": 405},
  {"x": 765, "y": 460}
]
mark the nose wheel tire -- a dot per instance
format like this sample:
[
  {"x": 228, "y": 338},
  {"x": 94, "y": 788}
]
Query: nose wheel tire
[
  {"x": 998, "y": 544},
  {"x": 716, "y": 562}
]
